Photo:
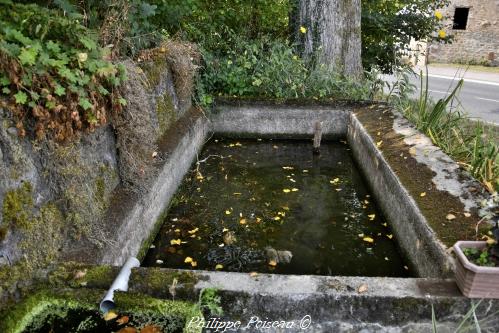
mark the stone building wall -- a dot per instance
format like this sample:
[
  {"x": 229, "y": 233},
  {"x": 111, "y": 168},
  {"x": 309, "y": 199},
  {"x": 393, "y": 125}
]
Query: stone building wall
[{"x": 479, "y": 43}]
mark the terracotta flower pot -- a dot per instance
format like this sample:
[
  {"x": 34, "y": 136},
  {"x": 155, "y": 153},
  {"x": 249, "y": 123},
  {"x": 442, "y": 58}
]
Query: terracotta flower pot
[{"x": 473, "y": 280}]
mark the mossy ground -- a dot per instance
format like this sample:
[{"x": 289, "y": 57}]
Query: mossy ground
[{"x": 418, "y": 178}]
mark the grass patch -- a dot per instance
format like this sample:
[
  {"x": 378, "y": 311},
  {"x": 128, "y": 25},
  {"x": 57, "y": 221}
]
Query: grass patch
[{"x": 473, "y": 144}]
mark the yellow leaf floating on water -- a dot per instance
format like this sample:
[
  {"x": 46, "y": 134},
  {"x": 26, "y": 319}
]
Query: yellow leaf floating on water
[
  {"x": 225, "y": 229},
  {"x": 242, "y": 221},
  {"x": 175, "y": 242},
  {"x": 371, "y": 216},
  {"x": 379, "y": 143},
  {"x": 193, "y": 231},
  {"x": 389, "y": 236},
  {"x": 385, "y": 224},
  {"x": 272, "y": 263},
  {"x": 110, "y": 315},
  {"x": 422, "y": 194},
  {"x": 177, "y": 230},
  {"x": 285, "y": 207},
  {"x": 288, "y": 168},
  {"x": 294, "y": 189},
  {"x": 286, "y": 190},
  {"x": 277, "y": 218},
  {"x": 237, "y": 193},
  {"x": 361, "y": 235},
  {"x": 305, "y": 170},
  {"x": 219, "y": 266},
  {"x": 466, "y": 214},
  {"x": 450, "y": 217},
  {"x": 194, "y": 263},
  {"x": 334, "y": 181},
  {"x": 188, "y": 260},
  {"x": 368, "y": 239},
  {"x": 228, "y": 212},
  {"x": 258, "y": 220}
]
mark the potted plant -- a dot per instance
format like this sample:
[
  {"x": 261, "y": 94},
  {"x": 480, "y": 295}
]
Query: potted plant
[{"x": 477, "y": 267}]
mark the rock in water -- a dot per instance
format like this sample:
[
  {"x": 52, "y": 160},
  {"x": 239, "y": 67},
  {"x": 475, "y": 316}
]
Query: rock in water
[
  {"x": 284, "y": 256},
  {"x": 280, "y": 257}
]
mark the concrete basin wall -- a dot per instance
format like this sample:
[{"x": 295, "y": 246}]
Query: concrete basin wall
[
  {"x": 279, "y": 121},
  {"x": 415, "y": 238},
  {"x": 136, "y": 216}
]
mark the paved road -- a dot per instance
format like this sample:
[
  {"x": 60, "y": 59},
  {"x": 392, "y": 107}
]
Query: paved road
[{"x": 480, "y": 99}]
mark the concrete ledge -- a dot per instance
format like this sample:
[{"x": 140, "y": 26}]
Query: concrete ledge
[
  {"x": 334, "y": 304},
  {"x": 387, "y": 301}
]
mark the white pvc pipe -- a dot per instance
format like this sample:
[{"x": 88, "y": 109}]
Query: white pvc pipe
[{"x": 120, "y": 283}]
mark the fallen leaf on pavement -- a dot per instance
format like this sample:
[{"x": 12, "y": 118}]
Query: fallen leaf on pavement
[{"x": 362, "y": 288}]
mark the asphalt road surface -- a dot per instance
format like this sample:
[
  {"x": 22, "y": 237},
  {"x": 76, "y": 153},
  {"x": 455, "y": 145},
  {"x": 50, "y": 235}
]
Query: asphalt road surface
[{"x": 480, "y": 99}]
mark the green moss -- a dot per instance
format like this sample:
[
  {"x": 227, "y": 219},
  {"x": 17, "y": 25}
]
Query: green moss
[
  {"x": 100, "y": 189},
  {"x": 33, "y": 311},
  {"x": 154, "y": 70},
  {"x": 165, "y": 112},
  {"x": 40, "y": 232},
  {"x": 3, "y": 232},
  {"x": 165, "y": 283},
  {"x": 10, "y": 276},
  {"x": 76, "y": 275},
  {"x": 17, "y": 207},
  {"x": 100, "y": 275}
]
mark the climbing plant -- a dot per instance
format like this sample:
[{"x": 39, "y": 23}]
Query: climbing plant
[{"x": 54, "y": 77}]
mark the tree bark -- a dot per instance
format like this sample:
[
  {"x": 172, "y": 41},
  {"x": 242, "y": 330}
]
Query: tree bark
[{"x": 332, "y": 35}]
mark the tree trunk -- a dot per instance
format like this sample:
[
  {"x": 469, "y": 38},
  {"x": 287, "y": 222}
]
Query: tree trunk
[{"x": 331, "y": 35}]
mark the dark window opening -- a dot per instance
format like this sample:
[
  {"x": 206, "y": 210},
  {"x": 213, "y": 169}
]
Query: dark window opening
[{"x": 461, "y": 18}]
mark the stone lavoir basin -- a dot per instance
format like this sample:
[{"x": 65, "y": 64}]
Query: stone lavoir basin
[
  {"x": 272, "y": 206},
  {"x": 355, "y": 239}
]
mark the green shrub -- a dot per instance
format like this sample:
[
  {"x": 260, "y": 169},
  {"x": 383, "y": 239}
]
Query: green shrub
[
  {"x": 53, "y": 74},
  {"x": 466, "y": 141},
  {"x": 271, "y": 69}
]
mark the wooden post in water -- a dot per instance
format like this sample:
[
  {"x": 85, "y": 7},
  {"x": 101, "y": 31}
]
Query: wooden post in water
[{"x": 317, "y": 137}]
